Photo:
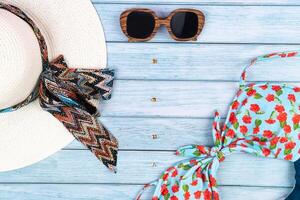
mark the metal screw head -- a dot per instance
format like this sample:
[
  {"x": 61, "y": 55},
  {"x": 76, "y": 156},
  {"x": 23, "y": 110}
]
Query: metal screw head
[
  {"x": 154, "y": 99},
  {"x": 154, "y": 136},
  {"x": 154, "y": 61}
]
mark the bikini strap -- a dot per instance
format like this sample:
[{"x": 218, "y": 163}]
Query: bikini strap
[
  {"x": 43, "y": 49},
  {"x": 147, "y": 186},
  {"x": 266, "y": 57}
]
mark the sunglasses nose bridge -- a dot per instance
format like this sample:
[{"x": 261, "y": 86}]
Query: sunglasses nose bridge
[{"x": 163, "y": 21}]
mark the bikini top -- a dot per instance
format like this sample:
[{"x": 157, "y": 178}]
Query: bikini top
[
  {"x": 263, "y": 120},
  {"x": 69, "y": 94}
]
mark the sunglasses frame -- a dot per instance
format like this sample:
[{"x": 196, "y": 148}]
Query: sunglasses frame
[{"x": 162, "y": 21}]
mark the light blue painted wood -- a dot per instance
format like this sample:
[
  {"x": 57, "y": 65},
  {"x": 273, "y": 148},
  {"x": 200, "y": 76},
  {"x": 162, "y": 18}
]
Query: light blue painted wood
[
  {"x": 204, "y": 2},
  {"x": 189, "y": 81},
  {"x": 180, "y": 61},
  {"x": 224, "y": 24},
  {"x": 140, "y": 167},
  {"x": 120, "y": 192},
  {"x": 156, "y": 133},
  {"x": 173, "y": 98}
]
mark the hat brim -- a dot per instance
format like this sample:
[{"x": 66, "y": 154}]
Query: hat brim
[
  {"x": 29, "y": 135},
  {"x": 71, "y": 28}
]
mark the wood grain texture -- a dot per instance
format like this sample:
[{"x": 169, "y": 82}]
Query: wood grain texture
[
  {"x": 224, "y": 24},
  {"x": 156, "y": 133},
  {"x": 173, "y": 98},
  {"x": 205, "y": 2},
  {"x": 161, "y": 21},
  {"x": 140, "y": 167},
  {"x": 215, "y": 62},
  {"x": 120, "y": 192},
  {"x": 188, "y": 81}
]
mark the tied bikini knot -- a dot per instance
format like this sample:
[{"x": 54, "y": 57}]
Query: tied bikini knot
[
  {"x": 217, "y": 153},
  {"x": 202, "y": 152},
  {"x": 72, "y": 96},
  {"x": 196, "y": 176},
  {"x": 199, "y": 151},
  {"x": 203, "y": 162}
]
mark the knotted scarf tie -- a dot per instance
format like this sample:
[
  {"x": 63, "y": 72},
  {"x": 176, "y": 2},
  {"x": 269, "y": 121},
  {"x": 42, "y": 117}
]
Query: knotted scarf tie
[{"x": 72, "y": 96}]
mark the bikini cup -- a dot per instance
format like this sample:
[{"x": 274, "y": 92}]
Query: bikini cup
[{"x": 263, "y": 120}]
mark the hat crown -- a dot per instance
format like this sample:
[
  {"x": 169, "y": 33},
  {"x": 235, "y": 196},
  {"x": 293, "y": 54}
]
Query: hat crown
[{"x": 20, "y": 59}]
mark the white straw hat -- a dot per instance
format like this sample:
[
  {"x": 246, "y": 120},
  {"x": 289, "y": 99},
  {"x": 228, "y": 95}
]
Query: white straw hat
[{"x": 71, "y": 28}]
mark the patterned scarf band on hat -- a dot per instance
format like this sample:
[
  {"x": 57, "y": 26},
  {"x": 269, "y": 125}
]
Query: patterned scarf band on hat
[{"x": 72, "y": 96}]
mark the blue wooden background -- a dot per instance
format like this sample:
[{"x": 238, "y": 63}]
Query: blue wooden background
[{"x": 188, "y": 81}]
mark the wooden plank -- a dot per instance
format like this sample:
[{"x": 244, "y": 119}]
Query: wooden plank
[
  {"x": 172, "y": 98},
  {"x": 204, "y": 2},
  {"x": 156, "y": 133},
  {"x": 117, "y": 192},
  {"x": 175, "y": 99},
  {"x": 224, "y": 24},
  {"x": 140, "y": 167},
  {"x": 199, "y": 62}
]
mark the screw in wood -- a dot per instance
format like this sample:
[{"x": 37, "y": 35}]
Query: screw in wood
[
  {"x": 154, "y": 136},
  {"x": 154, "y": 99},
  {"x": 154, "y": 61}
]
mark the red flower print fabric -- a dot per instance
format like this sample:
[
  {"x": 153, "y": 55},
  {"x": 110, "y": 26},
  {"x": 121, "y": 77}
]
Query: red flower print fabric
[{"x": 263, "y": 119}]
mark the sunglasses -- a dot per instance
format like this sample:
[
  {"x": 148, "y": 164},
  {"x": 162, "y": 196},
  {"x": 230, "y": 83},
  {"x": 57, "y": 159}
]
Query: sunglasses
[{"x": 140, "y": 24}]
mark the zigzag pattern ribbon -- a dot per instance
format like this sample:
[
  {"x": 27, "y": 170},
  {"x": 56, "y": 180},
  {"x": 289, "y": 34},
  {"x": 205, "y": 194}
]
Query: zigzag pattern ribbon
[
  {"x": 72, "y": 96},
  {"x": 69, "y": 95}
]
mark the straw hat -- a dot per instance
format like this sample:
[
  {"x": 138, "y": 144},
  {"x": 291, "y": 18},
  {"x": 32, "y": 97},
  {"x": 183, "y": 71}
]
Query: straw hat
[{"x": 71, "y": 28}]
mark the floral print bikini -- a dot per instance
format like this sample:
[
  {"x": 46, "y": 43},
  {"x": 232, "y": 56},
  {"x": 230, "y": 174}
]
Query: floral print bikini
[{"x": 263, "y": 119}]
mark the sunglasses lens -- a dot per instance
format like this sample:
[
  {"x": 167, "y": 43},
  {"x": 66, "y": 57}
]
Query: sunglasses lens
[
  {"x": 184, "y": 24},
  {"x": 140, "y": 24}
]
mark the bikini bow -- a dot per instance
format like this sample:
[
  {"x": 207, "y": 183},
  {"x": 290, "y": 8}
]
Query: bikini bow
[
  {"x": 195, "y": 177},
  {"x": 71, "y": 95},
  {"x": 201, "y": 152},
  {"x": 204, "y": 163}
]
